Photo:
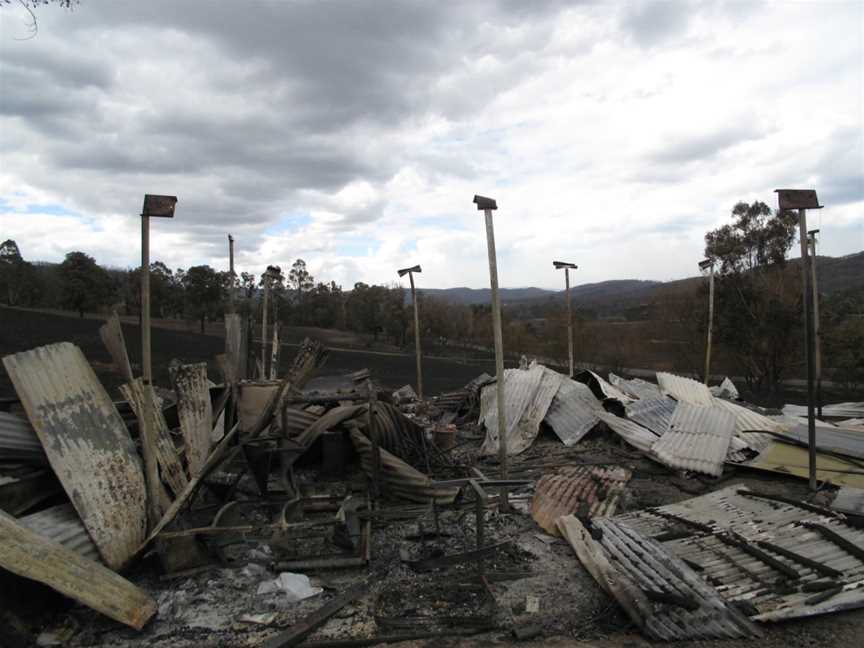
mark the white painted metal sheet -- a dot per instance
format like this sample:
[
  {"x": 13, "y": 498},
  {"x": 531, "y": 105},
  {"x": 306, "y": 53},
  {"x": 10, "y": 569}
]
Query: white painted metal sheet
[
  {"x": 698, "y": 439},
  {"x": 684, "y": 390},
  {"x": 87, "y": 444}
]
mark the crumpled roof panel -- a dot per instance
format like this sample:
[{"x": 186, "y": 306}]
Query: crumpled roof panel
[
  {"x": 698, "y": 439},
  {"x": 684, "y": 390},
  {"x": 573, "y": 411}
]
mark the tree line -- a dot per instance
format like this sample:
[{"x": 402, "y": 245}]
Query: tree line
[{"x": 757, "y": 328}]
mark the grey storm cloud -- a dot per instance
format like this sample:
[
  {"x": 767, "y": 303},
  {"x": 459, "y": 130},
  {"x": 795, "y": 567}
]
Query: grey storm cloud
[{"x": 704, "y": 146}]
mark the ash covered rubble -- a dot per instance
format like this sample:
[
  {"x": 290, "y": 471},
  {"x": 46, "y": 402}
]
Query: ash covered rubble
[{"x": 328, "y": 510}]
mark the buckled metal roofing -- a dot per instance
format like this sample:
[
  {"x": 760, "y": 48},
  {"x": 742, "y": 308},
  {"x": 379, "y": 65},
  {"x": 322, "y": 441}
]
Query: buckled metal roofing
[
  {"x": 635, "y": 387},
  {"x": 584, "y": 491},
  {"x": 573, "y": 412},
  {"x": 740, "y": 540},
  {"x": 684, "y": 390},
  {"x": 639, "y": 437},
  {"x": 652, "y": 413},
  {"x": 698, "y": 439}
]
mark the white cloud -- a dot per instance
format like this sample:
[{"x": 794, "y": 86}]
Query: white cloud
[{"x": 611, "y": 135}]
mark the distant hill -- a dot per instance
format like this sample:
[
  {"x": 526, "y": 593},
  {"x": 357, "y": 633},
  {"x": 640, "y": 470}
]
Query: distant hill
[{"x": 834, "y": 273}]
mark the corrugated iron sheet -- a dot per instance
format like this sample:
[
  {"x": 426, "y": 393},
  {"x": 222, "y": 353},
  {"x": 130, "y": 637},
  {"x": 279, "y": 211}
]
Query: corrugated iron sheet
[
  {"x": 62, "y": 525},
  {"x": 573, "y": 411},
  {"x": 684, "y": 390},
  {"x": 665, "y": 597},
  {"x": 748, "y": 424},
  {"x": 18, "y": 441},
  {"x": 698, "y": 439},
  {"x": 583, "y": 491},
  {"x": 793, "y": 460},
  {"x": 846, "y": 442},
  {"x": 87, "y": 444},
  {"x": 637, "y": 436},
  {"x": 398, "y": 478},
  {"x": 837, "y": 410},
  {"x": 635, "y": 387},
  {"x": 112, "y": 337},
  {"x": 849, "y": 500},
  {"x": 741, "y": 540},
  {"x": 652, "y": 413},
  {"x": 527, "y": 395},
  {"x": 195, "y": 411}
]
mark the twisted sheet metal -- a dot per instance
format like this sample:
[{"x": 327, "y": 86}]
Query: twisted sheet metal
[
  {"x": 87, "y": 444},
  {"x": 573, "y": 412},
  {"x": 397, "y": 477},
  {"x": 294, "y": 421},
  {"x": 62, "y": 525},
  {"x": 666, "y": 580},
  {"x": 527, "y": 394},
  {"x": 601, "y": 388},
  {"x": 842, "y": 441},
  {"x": 779, "y": 528},
  {"x": 838, "y": 410},
  {"x": 698, "y": 439},
  {"x": 684, "y": 390},
  {"x": 637, "y": 436},
  {"x": 18, "y": 441},
  {"x": 652, "y": 413},
  {"x": 635, "y": 387},
  {"x": 749, "y": 424},
  {"x": 584, "y": 491}
]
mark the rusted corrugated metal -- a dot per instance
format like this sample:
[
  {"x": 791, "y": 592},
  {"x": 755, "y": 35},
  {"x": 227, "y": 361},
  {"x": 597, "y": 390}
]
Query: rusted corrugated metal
[
  {"x": 328, "y": 421},
  {"x": 398, "y": 478},
  {"x": 583, "y": 491},
  {"x": 698, "y": 439},
  {"x": 635, "y": 387},
  {"x": 195, "y": 411},
  {"x": 18, "y": 441},
  {"x": 639, "y": 437},
  {"x": 684, "y": 390},
  {"x": 527, "y": 395},
  {"x": 653, "y": 413},
  {"x": 62, "y": 525},
  {"x": 87, "y": 444},
  {"x": 681, "y": 604},
  {"x": 573, "y": 411},
  {"x": 742, "y": 541}
]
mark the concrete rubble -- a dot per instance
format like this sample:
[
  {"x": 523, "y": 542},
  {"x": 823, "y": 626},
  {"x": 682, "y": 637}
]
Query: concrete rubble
[{"x": 302, "y": 509}]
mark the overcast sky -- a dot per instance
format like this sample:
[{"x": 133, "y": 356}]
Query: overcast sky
[{"x": 354, "y": 134}]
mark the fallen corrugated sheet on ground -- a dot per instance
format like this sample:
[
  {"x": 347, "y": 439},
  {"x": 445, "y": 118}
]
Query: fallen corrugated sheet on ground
[
  {"x": 684, "y": 390},
  {"x": 28, "y": 554},
  {"x": 849, "y": 443},
  {"x": 637, "y": 436},
  {"x": 837, "y": 410},
  {"x": 793, "y": 460},
  {"x": 397, "y": 478},
  {"x": 652, "y": 413},
  {"x": 698, "y": 439},
  {"x": 740, "y": 540},
  {"x": 749, "y": 424},
  {"x": 18, "y": 441},
  {"x": 667, "y": 599},
  {"x": 87, "y": 444},
  {"x": 527, "y": 396},
  {"x": 635, "y": 387},
  {"x": 583, "y": 491},
  {"x": 195, "y": 412},
  {"x": 573, "y": 411},
  {"x": 62, "y": 525}
]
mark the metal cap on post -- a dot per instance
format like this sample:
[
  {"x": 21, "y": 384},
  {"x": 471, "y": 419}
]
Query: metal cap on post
[
  {"x": 410, "y": 272},
  {"x": 802, "y": 200},
  {"x": 567, "y": 268}
]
